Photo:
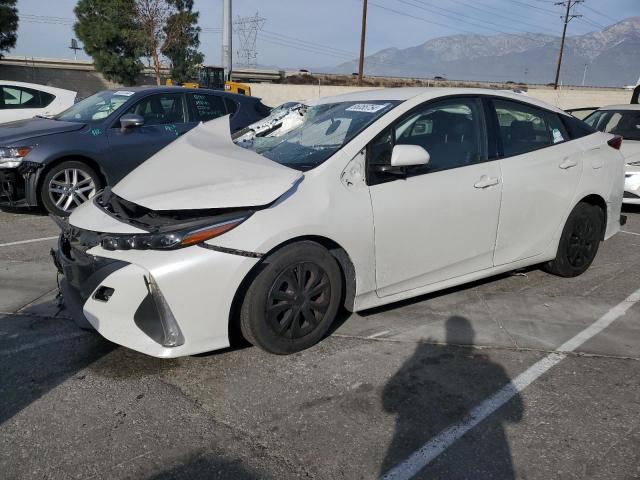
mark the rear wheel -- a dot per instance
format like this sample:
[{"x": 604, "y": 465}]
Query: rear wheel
[
  {"x": 292, "y": 302},
  {"x": 67, "y": 186},
  {"x": 579, "y": 242}
]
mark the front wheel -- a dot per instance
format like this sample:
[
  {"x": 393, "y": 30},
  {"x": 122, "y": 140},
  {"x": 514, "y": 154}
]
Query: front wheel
[
  {"x": 579, "y": 241},
  {"x": 291, "y": 304},
  {"x": 67, "y": 186}
]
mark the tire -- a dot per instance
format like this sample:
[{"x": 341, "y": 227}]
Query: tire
[
  {"x": 283, "y": 315},
  {"x": 579, "y": 242},
  {"x": 68, "y": 185}
]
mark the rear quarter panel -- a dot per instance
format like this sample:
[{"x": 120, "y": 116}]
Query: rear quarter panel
[{"x": 603, "y": 175}]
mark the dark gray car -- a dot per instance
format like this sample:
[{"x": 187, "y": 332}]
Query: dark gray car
[{"x": 61, "y": 162}]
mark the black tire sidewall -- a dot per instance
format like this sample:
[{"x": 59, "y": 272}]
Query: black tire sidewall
[
  {"x": 49, "y": 174},
  {"x": 561, "y": 265},
  {"x": 254, "y": 326}
]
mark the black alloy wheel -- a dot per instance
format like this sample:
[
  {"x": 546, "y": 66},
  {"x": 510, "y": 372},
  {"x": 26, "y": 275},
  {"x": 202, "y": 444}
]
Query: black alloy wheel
[
  {"x": 298, "y": 300},
  {"x": 579, "y": 242},
  {"x": 293, "y": 299}
]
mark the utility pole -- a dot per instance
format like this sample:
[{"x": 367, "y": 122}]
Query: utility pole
[
  {"x": 569, "y": 4},
  {"x": 363, "y": 35},
  {"x": 227, "y": 62}
]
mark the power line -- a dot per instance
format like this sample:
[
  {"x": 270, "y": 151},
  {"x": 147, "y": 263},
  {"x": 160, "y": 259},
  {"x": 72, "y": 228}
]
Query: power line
[
  {"x": 498, "y": 13},
  {"x": 599, "y": 13},
  {"x": 475, "y": 23}
]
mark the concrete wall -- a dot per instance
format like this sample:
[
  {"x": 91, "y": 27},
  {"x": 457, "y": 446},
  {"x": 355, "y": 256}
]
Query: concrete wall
[
  {"x": 274, "y": 94},
  {"x": 79, "y": 76}
]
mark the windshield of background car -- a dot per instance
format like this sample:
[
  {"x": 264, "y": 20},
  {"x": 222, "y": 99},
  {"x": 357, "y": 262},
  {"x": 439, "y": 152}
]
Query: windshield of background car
[
  {"x": 96, "y": 107},
  {"x": 625, "y": 123},
  {"x": 324, "y": 130}
]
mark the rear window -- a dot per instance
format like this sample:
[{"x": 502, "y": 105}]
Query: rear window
[
  {"x": 625, "y": 123},
  {"x": 523, "y": 128},
  {"x": 208, "y": 107},
  {"x": 21, "y": 97}
]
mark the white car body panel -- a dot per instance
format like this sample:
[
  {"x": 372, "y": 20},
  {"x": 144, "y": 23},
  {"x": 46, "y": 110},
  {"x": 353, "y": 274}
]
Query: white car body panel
[
  {"x": 426, "y": 254},
  {"x": 537, "y": 196},
  {"x": 63, "y": 100},
  {"x": 630, "y": 150},
  {"x": 186, "y": 277},
  {"x": 441, "y": 233}
]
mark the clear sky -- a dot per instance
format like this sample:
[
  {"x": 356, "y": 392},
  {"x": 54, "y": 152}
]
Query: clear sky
[{"x": 316, "y": 33}]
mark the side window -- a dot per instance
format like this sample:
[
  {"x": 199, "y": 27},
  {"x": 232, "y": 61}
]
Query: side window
[
  {"x": 522, "y": 128},
  {"x": 160, "y": 109},
  {"x": 232, "y": 106},
  {"x": 452, "y": 131},
  {"x": 18, "y": 97},
  {"x": 559, "y": 133},
  {"x": 208, "y": 107}
]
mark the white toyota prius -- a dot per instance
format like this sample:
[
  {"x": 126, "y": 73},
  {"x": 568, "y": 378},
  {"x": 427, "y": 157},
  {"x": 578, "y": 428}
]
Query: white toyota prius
[{"x": 356, "y": 201}]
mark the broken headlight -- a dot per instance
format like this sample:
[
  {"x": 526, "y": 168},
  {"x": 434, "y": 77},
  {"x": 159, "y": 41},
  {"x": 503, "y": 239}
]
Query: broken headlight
[
  {"x": 11, "y": 157},
  {"x": 170, "y": 240}
]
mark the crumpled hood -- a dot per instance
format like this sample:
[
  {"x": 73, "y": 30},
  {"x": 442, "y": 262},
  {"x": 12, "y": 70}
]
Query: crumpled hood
[
  {"x": 13, "y": 133},
  {"x": 205, "y": 169}
]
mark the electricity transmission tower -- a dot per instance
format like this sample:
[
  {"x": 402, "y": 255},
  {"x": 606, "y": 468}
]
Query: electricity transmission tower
[
  {"x": 567, "y": 17},
  {"x": 247, "y": 29}
]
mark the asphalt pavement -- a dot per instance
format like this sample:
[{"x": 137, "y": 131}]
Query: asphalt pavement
[{"x": 462, "y": 384}]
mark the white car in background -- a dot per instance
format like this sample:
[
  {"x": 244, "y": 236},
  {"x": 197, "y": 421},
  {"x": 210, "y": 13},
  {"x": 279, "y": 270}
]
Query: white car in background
[
  {"x": 623, "y": 120},
  {"x": 19, "y": 101},
  {"x": 375, "y": 197}
]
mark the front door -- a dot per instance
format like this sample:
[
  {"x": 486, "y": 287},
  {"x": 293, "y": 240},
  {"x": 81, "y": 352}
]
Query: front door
[
  {"x": 165, "y": 119},
  {"x": 440, "y": 221}
]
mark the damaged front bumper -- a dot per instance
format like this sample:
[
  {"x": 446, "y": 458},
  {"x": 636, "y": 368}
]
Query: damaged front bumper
[
  {"x": 18, "y": 186},
  {"x": 163, "y": 304}
]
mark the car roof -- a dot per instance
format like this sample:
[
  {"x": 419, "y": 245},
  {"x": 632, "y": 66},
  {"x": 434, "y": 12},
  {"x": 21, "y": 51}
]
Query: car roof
[
  {"x": 624, "y": 106},
  {"x": 37, "y": 86},
  {"x": 178, "y": 88},
  {"x": 428, "y": 93}
]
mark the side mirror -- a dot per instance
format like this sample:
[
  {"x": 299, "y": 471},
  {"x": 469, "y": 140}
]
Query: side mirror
[
  {"x": 409, "y": 156},
  {"x": 130, "y": 120}
]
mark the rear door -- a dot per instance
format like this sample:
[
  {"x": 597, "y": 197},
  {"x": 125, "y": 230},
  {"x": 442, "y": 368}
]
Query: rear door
[
  {"x": 165, "y": 119},
  {"x": 541, "y": 170}
]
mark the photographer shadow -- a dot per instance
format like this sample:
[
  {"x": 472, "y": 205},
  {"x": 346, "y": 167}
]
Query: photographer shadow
[{"x": 436, "y": 388}]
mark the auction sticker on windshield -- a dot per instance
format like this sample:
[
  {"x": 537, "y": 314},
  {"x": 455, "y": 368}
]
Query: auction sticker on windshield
[
  {"x": 366, "y": 107},
  {"x": 124, "y": 93}
]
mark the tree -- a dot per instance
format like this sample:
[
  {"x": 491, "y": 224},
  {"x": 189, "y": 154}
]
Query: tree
[
  {"x": 8, "y": 25},
  {"x": 182, "y": 38},
  {"x": 152, "y": 17},
  {"x": 111, "y": 37}
]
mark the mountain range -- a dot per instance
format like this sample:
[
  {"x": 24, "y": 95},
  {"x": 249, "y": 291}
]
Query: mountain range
[{"x": 611, "y": 57}]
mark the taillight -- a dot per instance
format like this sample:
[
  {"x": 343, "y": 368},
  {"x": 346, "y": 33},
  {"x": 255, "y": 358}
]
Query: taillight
[{"x": 615, "y": 142}]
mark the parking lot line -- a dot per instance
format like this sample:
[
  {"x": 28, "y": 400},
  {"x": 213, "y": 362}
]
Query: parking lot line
[
  {"x": 33, "y": 240},
  {"x": 630, "y": 233},
  {"x": 447, "y": 437}
]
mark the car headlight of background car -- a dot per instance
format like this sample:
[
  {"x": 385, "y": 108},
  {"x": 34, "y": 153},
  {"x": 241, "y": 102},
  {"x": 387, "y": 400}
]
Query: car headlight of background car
[
  {"x": 11, "y": 157},
  {"x": 171, "y": 240}
]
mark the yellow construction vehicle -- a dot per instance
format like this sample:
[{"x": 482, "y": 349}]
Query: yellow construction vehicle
[{"x": 213, "y": 78}]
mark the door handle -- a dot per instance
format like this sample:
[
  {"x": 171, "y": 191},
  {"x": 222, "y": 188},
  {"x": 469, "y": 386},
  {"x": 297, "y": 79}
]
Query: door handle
[
  {"x": 486, "y": 182},
  {"x": 567, "y": 163}
]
